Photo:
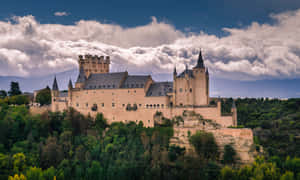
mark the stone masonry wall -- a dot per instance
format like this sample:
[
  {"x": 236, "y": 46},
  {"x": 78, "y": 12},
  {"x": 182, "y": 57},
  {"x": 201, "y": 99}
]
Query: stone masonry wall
[{"x": 240, "y": 139}]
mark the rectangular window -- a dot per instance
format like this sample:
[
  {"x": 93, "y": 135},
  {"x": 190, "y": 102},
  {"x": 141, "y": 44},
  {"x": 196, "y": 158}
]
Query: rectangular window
[
  {"x": 113, "y": 104},
  {"x": 102, "y": 104}
]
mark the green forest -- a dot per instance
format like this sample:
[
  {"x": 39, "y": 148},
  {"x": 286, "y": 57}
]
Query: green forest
[{"x": 68, "y": 145}]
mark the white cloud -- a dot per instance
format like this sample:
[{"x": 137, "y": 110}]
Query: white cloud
[
  {"x": 258, "y": 51},
  {"x": 61, "y": 14}
]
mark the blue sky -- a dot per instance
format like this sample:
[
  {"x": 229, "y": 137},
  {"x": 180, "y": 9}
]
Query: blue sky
[
  {"x": 206, "y": 15},
  {"x": 241, "y": 40}
]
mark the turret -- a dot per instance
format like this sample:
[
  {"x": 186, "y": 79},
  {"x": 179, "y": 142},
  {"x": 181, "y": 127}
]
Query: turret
[
  {"x": 55, "y": 90},
  {"x": 200, "y": 63},
  {"x": 81, "y": 79},
  {"x": 174, "y": 73},
  {"x": 70, "y": 86},
  {"x": 234, "y": 113}
]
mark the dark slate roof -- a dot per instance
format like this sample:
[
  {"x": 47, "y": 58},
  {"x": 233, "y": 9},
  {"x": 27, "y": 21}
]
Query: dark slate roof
[
  {"x": 63, "y": 94},
  {"x": 55, "y": 86},
  {"x": 81, "y": 77},
  {"x": 105, "y": 80},
  {"x": 160, "y": 89},
  {"x": 135, "y": 82},
  {"x": 70, "y": 84},
  {"x": 187, "y": 71},
  {"x": 200, "y": 63}
]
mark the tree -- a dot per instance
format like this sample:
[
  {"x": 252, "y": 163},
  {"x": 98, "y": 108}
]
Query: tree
[
  {"x": 14, "y": 89},
  {"x": 3, "y": 94},
  {"x": 229, "y": 154},
  {"x": 287, "y": 176},
  {"x": 18, "y": 100},
  {"x": 100, "y": 123},
  {"x": 17, "y": 177},
  {"x": 52, "y": 153},
  {"x": 34, "y": 173},
  {"x": 205, "y": 145},
  {"x": 44, "y": 96},
  {"x": 19, "y": 162}
]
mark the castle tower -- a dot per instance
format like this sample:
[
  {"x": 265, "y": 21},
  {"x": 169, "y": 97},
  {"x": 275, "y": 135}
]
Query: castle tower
[
  {"x": 234, "y": 113},
  {"x": 94, "y": 64},
  {"x": 70, "y": 88},
  {"x": 174, "y": 87},
  {"x": 191, "y": 87},
  {"x": 201, "y": 83},
  {"x": 55, "y": 90}
]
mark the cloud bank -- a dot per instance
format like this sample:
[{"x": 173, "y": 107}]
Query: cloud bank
[
  {"x": 61, "y": 14},
  {"x": 28, "y": 48}
]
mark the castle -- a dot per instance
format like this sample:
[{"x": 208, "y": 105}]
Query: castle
[{"x": 123, "y": 98}]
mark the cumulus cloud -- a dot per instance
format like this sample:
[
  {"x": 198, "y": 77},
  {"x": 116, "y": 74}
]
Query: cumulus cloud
[
  {"x": 258, "y": 51},
  {"x": 61, "y": 14}
]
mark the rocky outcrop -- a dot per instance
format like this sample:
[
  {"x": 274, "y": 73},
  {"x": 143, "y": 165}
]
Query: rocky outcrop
[{"x": 241, "y": 139}]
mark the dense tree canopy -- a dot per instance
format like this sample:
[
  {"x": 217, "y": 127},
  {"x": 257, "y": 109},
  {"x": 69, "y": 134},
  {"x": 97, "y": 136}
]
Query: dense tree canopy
[
  {"x": 44, "y": 96},
  {"x": 14, "y": 89},
  {"x": 68, "y": 145}
]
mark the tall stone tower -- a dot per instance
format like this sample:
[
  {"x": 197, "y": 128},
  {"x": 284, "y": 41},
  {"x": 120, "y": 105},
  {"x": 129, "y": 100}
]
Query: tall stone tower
[
  {"x": 94, "y": 64},
  {"x": 191, "y": 87}
]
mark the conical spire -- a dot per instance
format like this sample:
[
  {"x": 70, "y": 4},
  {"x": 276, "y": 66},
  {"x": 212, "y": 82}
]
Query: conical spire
[
  {"x": 200, "y": 63},
  {"x": 206, "y": 71},
  {"x": 81, "y": 77},
  {"x": 175, "y": 72},
  {"x": 55, "y": 86},
  {"x": 70, "y": 84}
]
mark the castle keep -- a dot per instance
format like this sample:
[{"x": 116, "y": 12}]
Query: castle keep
[{"x": 122, "y": 97}]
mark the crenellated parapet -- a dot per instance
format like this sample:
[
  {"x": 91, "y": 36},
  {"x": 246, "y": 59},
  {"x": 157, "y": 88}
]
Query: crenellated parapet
[{"x": 94, "y": 64}]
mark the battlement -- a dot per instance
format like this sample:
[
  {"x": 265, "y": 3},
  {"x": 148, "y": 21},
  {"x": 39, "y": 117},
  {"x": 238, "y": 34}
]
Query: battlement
[
  {"x": 94, "y": 64},
  {"x": 94, "y": 59}
]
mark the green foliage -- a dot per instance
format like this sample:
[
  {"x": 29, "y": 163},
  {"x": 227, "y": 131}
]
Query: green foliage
[
  {"x": 44, "y": 96},
  {"x": 34, "y": 173},
  {"x": 205, "y": 145},
  {"x": 69, "y": 145},
  {"x": 229, "y": 156},
  {"x": 19, "y": 162},
  {"x": 14, "y": 89},
  {"x": 18, "y": 100},
  {"x": 276, "y": 123},
  {"x": 3, "y": 94}
]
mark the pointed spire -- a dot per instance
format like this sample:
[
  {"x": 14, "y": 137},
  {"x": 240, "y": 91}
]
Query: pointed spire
[
  {"x": 175, "y": 72},
  {"x": 55, "y": 86},
  {"x": 233, "y": 104},
  {"x": 200, "y": 63},
  {"x": 81, "y": 77},
  {"x": 70, "y": 84},
  {"x": 206, "y": 71}
]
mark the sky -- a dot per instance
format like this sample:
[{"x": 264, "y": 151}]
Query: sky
[{"x": 240, "y": 40}]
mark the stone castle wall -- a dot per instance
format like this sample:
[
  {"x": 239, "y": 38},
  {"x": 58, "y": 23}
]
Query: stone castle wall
[
  {"x": 113, "y": 104},
  {"x": 39, "y": 109},
  {"x": 240, "y": 139}
]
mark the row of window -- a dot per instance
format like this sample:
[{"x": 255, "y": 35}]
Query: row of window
[
  {"x": 140, "y": 105},
  {"x": 134, "y": 85},
  {"x": 102, "y": 86},
  {"x": 181, "y": 90},
  {"x": 114, "y": 86},
  {"x": 155, "y": 106}
]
